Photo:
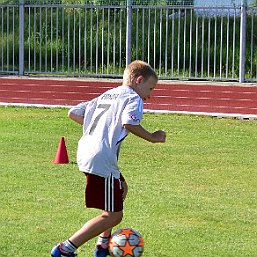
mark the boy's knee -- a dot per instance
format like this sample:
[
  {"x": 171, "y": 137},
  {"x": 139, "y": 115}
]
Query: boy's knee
[
  {"x": 117, "y": 217},
  {"x": 114, "y": 217}
]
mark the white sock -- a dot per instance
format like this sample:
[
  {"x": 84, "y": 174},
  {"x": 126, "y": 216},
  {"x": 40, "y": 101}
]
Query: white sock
[
  {"x": 103, "y": 241},
  {"x": 68, "y": 246}
]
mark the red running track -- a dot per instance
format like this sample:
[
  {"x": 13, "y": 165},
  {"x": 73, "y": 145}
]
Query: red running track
[{"x": 180, "y": 97}]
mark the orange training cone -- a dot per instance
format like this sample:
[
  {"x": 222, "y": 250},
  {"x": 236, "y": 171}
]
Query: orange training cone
[{"x": 61, "y": 154}]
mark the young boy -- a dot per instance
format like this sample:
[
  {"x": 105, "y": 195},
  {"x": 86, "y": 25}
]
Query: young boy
[{"x": 106, "y": 121}]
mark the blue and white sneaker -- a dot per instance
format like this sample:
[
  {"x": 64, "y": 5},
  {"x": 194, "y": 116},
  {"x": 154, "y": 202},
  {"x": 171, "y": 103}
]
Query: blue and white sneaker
[
  {"x": 58, "y": 252},
  {"x": 101, "y": 252}
]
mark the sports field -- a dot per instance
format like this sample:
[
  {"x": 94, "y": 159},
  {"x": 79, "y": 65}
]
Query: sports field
[{"x": 194, "y": 196}]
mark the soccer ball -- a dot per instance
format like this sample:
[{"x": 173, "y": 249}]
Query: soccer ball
[{"x": 126, "y": 242}]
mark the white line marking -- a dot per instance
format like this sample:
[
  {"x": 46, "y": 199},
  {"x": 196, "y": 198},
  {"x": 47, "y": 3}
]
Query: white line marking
[{"x": 213, "y": 114}]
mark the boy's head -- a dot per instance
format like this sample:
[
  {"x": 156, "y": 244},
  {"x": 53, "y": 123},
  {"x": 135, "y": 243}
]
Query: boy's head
[
  {"x": 141, "y": 77},
  {"x": 135, "y": 69}
]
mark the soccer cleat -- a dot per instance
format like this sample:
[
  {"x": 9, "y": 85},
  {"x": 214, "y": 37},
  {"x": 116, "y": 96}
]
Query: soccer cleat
[
  {"x": 101, "y": 252},
  {"x": 58, "y": 252}
]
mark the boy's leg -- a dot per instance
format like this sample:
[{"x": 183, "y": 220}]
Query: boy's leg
[
  {"x": 107, "y": 233},
  {"x": 102, "y": 224},
  {"x": 96, "y": 226},
  {"x": 102, "y": 245},
  {"x": 104, "y": 238},
  {"x": 91, "y": 229},
  {"x": 101, "y": 249}
]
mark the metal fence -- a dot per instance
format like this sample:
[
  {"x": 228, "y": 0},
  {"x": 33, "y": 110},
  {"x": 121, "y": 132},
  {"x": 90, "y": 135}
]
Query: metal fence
[{"x": 178, "y": 41}]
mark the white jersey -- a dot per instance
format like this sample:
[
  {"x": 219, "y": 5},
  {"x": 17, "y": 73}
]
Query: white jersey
[{"x": 103, "y": 129}]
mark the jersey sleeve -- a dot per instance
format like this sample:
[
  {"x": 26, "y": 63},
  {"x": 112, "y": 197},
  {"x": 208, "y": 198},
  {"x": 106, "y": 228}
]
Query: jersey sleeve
[
  {"x": 84, "y": 108},
  {"x": 133, "y": 111},
  {"x": 79, "y": 109}
]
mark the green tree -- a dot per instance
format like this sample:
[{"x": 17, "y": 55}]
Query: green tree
[{"x": 253, "y": 2}]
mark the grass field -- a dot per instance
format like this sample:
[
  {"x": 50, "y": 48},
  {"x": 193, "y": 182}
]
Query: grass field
[{"x": 194, "y": 196}]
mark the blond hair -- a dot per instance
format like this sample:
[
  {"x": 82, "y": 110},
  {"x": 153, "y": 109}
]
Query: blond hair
[{"x": 138, "y": 68}]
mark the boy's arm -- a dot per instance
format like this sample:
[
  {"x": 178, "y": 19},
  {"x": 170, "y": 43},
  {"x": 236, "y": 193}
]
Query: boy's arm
[{"x": 158, "y": 136}]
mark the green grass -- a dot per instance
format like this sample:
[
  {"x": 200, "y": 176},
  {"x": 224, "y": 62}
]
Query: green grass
[{"x": 195, "y": 195}]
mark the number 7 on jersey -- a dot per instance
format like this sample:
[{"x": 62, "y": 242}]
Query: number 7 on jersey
[{"x": 105, "y": 108}]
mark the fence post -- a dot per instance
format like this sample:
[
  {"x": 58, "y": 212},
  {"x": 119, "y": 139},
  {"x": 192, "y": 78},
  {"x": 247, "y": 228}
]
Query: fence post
[
  {"x": 21, "y": 37},
  {"x": 129, "y": 33},
  {"x": 242, "y": 41}
]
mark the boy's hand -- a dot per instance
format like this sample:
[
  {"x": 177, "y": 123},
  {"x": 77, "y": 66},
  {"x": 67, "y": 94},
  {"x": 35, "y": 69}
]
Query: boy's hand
[{"x": 159, "y": 136}]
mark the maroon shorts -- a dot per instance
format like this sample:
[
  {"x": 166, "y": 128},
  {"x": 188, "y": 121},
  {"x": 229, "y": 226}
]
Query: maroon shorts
[{"x": 104, "y": 193}]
